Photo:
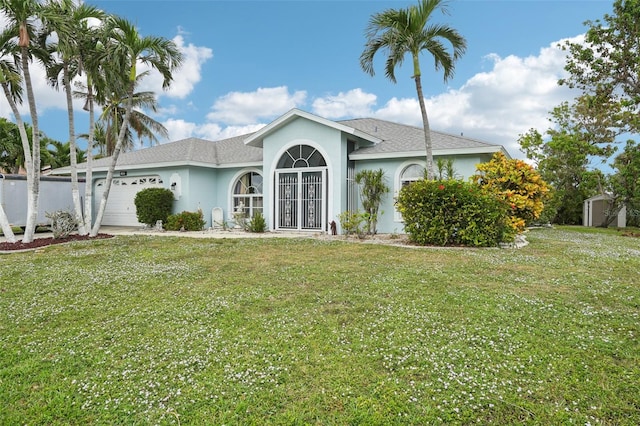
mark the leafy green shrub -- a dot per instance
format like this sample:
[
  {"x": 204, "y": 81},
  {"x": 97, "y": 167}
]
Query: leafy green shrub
[
  {"x": 187, "y": 221},
  {"x": 453, "y": 213},
  {"x": 153, "y": 204},
  {"x": 351, "y": 222},
  {"x": 257, "y": 223},
  {"x": 518, "y": 184}
]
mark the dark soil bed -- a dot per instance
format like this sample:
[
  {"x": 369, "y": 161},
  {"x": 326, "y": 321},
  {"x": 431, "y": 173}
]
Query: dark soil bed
[{"x": 47, "y": 241}]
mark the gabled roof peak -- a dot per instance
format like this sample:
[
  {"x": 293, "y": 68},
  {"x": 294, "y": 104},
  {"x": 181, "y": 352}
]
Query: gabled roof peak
[{"x": 257, "y": 138}]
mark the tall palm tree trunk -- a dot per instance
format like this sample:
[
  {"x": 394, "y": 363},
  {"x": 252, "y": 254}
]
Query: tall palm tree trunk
[
  {"x": 4, "y": 220},
  {"x": 427, "y": 130},
  {"x": 6, "y": 227},
  {"x": 88, "y": 188},
  {"x": 33, "y": 175},
  {"x": 75, "y": 191}
]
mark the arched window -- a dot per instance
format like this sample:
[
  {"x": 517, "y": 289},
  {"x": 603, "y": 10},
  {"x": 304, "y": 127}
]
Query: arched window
[
  {"x": 301, "y": 156},
  {"x": 247, "y": 194},
  {"x": 411, "y": 173}
]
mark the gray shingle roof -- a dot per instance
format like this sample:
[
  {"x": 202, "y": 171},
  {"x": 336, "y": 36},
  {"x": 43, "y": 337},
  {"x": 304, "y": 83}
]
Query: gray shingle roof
[
  {"x": 189, "y": 151},
  {"x": 395, "y": 139},
  {"x": 403, "y": 138}
]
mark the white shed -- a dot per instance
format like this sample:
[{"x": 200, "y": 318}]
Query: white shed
[{"x": 595, "y": 209}]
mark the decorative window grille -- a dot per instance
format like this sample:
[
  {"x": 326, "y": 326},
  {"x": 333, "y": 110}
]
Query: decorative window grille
[{"x": 301, "y": 189}]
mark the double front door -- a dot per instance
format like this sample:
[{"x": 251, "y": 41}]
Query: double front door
[{"x": 300, "y": 200}]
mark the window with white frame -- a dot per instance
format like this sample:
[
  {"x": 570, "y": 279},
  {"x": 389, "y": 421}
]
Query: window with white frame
[
  {"x": 301, "y": 156},
  {"x": 409, "y": 173},
  {"x": 247, "y": 194}
]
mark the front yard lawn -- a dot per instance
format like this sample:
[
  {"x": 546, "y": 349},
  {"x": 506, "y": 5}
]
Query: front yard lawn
[{"x": 168, "y": 330}]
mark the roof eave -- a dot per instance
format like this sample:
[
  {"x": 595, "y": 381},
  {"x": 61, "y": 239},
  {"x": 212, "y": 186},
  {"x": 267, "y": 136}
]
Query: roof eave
[
  {"x": 438, "y": 152},
  {"x": 67, "y": 171}
]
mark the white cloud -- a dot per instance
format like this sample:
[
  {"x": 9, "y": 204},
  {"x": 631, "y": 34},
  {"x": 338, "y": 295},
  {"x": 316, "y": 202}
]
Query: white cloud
[
  {"x": 181, "y": 129},
  {"x": 514, "y": 96},
  {"x": 241, "y": 108},
  {"x": 354, "y": 102},
  {"x": 186, "y": 77},
  {"x": 215, "y": 132},
  {"x": 496, "y": 106},
  {"x": 405, "y": 111}
]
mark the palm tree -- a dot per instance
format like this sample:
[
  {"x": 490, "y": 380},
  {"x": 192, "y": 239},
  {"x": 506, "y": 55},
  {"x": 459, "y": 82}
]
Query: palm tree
[
  {"x": 96, "y": 65},
  {"x": 144, "y": 126},
  {"x": 10, "y": 80},
  {"x": 407, "y": 31},
  {"x": 99, "y": 137},
  {"x": 59, "y": 153},
  {"x": 16, "y": 41},
  {"x": 68, "y": 20},
  {"x": 12, "y": 158},
  {"x": 124, "y": 49}
]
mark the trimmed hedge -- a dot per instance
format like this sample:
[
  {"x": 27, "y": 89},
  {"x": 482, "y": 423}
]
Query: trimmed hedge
[
  {"x": 153, "y": 204},
  {"x": 451, "y": 212}
]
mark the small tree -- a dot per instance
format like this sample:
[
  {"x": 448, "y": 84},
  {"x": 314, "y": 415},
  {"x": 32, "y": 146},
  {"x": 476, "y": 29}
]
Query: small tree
[
  {"x": 153, "y": 204},
  {"x": 372, "y": 189},
  {"x": 518, "y": 184}
]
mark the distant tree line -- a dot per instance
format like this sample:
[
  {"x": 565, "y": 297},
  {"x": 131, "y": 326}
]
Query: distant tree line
[{"x": 587, "y": 132}]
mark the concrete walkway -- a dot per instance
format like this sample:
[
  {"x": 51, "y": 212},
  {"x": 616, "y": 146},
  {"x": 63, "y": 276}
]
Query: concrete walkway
[{"x": 208, "y": 233}]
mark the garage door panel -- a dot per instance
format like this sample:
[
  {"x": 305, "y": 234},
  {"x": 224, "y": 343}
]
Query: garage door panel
[{"x": 121, "y": 208}]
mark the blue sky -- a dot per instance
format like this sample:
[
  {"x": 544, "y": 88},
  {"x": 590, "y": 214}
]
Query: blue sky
[{"x": 247, "y": 62}]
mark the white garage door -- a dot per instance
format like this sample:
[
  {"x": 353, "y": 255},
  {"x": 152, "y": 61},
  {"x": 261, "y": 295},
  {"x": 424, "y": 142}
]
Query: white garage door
[{"x": 121, "y": 208}]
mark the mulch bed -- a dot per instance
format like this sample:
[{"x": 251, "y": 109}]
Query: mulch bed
[
  {"x": 47, "y": 241},
  {"x": 631, "y": 234}
]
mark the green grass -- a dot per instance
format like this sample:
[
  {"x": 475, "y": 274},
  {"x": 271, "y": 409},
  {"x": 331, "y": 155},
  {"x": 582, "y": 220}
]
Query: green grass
[
  {"x": 18, "y": 230},
  {"x": 164, "y": 330}
]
